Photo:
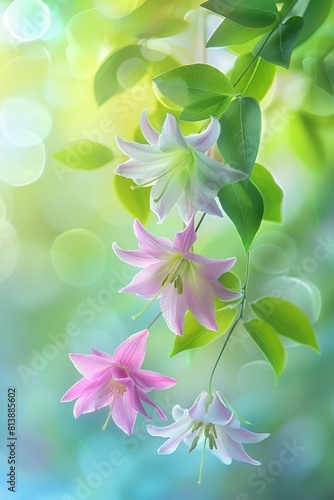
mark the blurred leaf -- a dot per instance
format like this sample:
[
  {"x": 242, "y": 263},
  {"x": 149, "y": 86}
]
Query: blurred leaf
[
  {"x": 163, "y": 28},
  {"x": 278, "y": 49},
  {"x": 271, "y": 193},
  {"x": 240, "y": 133},
  {"x": 196, "y": 85},
  {"x": 84, "y": 155},
  {"x": 287, "y": 319},
  {"x": 268, "y": 342},
  {"x": 324, "y": 74},
  {"x": 137, "y": 201},
  {"x": 107, "y": 81},
  {"x": 253, "y": 13},
  {"x": 255, "y": 81},
  {"x": 231, "y": 281},
  {"x": 231, "y": 33},
  {"x": 314, "y": 16},
  {"x": 243, "y": 204},
  {"x": 306, "y": 142},
  {"x": 196, "y": 335}
]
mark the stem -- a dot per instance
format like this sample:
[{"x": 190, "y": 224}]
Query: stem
[
  {"x": 202, "y": 462},
  {"x": 155, "y": 319},
  {"x": 200, "y": 222},
  {"x": 242, "y": 304}
]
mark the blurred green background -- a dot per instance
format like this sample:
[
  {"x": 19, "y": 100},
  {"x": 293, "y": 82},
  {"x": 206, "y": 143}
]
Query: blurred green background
[{"x": 60, "y": 278}]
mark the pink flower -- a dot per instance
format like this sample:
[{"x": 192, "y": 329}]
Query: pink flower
[
  {"x": 177, "y": 168},
  {"x": 184, "y": 279},
  {"x": 116, "y": 381},
  {"x": 210, "y": 419}
]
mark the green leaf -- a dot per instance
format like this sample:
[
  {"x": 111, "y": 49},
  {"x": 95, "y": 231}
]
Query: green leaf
[
  {"x": 287, "y": 319},
  {"x": 239, "y": 139},
  {"x": 243, "y": 204},
  {"x": 196, "y": 85},
  {"x": 204, "y": 109},
  {"x": 137, "y": 201},
  {"x": 268, "y": 342},
  {"x": 314, "y": 16},
  {"x": 271, "y": 193},
  {"x": 306, "y": 142},
  {"x": 231, "y": 281},
  {"x": 84, "y": 155},
  {"x": 279, "y": 47},
  {"x": 231, "y": 33},
  {"x": 254, "y": 80},
  {"x": 196, "y": 335},
  {"x": 253, "y": 13}
]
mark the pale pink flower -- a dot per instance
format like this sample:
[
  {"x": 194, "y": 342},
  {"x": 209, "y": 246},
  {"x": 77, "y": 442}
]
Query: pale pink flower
[
  {"x": 116, "y": 381},
  {"x": 184, "y": 279},
  {"x": 211, "y": 420},
  {"x": 177, "y": 168}
]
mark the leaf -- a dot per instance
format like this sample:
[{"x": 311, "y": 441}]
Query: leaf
[
  {"x": 243, "y": 204},
  {"x": 306, "y": 141},
  {"x": 279, "y": 47},
  {"x": 287, "y": 319},
  {"x": 255, "y": 81},
  {"x": 231, "y": 281},
  {"x": 239, "y": 139},
  {"x": 84, "y": 155},
  {"x": 253, "y": 13},
  {"x": 204, "y": 109},
  {"x": 196, "y": 335},
  {"x": 314, "y": 16},
  {"x": 196, "y": 85},
  {"x": 231, "y": 33},
  {"x": 137, "y": 201},
  {"x": 268, "y": 342},
  {"x": 270, "y": 191},
  {"x": 163, "y": 28}
]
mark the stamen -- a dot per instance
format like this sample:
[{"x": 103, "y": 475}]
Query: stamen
[
  {"x": 164, "y": 189},
  {"x": 202, "y": 462},
  {"x": 149, "y": 183},
  {"x": 148, "y": 305},
  {"x": 107, "y": 421}
]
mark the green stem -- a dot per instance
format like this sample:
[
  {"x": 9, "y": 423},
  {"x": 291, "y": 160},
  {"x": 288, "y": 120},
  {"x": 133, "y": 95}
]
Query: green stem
[
  {"x": 242, "y": 304},
  {"x": 154, "y": 320},
  {"x": 200, "y": 222}
]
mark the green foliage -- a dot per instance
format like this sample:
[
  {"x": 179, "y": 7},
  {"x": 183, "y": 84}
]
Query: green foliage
[
  {"x": 243, "y": 203},
  {"x": 287, "y": 319},
  {"x": 231, "y": 33},
  {"x": 280, "y": 43},
  {"x": 240, "y": 133},
  {"x": 196, "y": 335},
  {"x": 314, "y": 16},
  {"x": 270, "y": 191},
  {"x": 253, "y": 13},
  {"x": 136, "y": 201},
  {"x": 125, "y": 67},
  {"x": 254, "y": 78},
  {"x": 84, "y": 155},
  {"x": 267, "y": 340},
  {"x": 200, "y": 89}
]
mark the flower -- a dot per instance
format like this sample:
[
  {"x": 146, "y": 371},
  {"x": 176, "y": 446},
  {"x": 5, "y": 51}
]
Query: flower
[
  {"x": 210, "y": 419},
  {"x": 177, "y": 168},
  {"x": 184, "y": 279},
  {"x": 116, "y": 381}
]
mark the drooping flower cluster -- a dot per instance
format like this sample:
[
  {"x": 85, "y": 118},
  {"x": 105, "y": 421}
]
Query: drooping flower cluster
[
  {"x": 184, "y": 279},
  {"x": 177, "y": 168},
  {"x": 210, "y": 420},
  {"x": 118, "y": 382}
]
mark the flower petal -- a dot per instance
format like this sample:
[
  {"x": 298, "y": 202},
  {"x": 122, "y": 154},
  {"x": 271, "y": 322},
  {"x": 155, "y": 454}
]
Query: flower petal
[
  {"x": 131, "y": 352},
  {"x": 146, "y": 171},
  {"x": 185, "y": 239},
  {"x": 166, "y": 191},
  {"x": 147, "y": 380},
  {"x": 200, "y": 299},
  {"x": 210, "y": 269},
  {"x": 90, "y": 365},
  {"x": 214, "y": 412},
  {"x": 76, "y": 390},
  {"x": 150, "y": 134},
  {"x": 185, "y": 207},
  {"x": 147, "y": 282},
  {"x": 173, "y": 308},
  {"x": 223, "y": 293},
  {"x": 202, "y": 196},
  {"x": 158, "y": 247},
  {"x": 221, "y": 452},
  {"x": 96, "y": 396},
  {"x": 234, "y": 449},
  {"x": 243, "y": 435},
  {"x": 123, "y": 411},
  {"x": 136, "y": 258},
  {"x": 143, "y": 396},
  {"x": 206, "y": 139},
  {"x": 171, "y": 138},
  {"x": 138, "y": 151},
  {"x": 178, "y": 412},
  {"x": 176, "y": 433},
  {"x": 226, "y": 174}
]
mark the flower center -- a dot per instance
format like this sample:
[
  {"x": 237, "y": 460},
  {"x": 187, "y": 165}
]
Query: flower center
[
  {"x": 117, "y": 389},
  {"x": 177, "y": 274},
  {"x": 209, "y": 432}
]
